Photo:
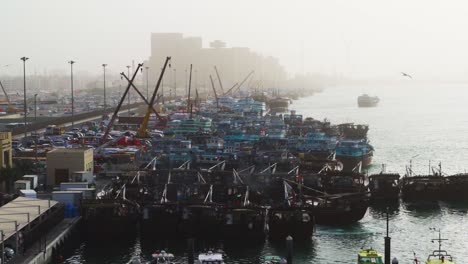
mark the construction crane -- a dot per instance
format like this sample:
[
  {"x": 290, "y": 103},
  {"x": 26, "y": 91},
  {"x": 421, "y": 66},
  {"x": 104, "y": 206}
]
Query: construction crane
[
  {"x": 117, "y": 109},
  {"x": 142, "y": 131},
  {"x": 160, "y": 118},
  {"x": 11, "y": 108}
]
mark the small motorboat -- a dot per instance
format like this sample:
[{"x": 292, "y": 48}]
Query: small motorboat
[
  {"x": 162, "y": 257},
  {"x": 439, "y": 256},
  {"x": 369, "y": 256},
  {"x": 211, "y": 257},
  {"x": 274, "y": 260}
]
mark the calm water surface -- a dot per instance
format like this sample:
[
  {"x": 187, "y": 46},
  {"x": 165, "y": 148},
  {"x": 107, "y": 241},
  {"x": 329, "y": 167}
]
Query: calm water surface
[{"x": 419, "y": 122}]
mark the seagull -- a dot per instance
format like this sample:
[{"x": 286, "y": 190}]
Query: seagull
[{"x": 406, "y": 75}]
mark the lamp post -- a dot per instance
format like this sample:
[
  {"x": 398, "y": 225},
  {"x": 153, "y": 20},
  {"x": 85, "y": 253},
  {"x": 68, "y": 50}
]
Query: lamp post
[
  {"x": 128, "y": 74},
  {"x": 24, "y": 59},
  {"x": 105, "y": 102},
  {"x": 147, "y": 83},
  {"x": 72, "y": 96},
  {"x": 35, "y": 107},
  {"x": 35, "y": 130}
]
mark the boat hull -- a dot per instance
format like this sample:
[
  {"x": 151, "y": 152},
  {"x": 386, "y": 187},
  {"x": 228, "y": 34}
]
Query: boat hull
[{"x": 350, "y": 162}]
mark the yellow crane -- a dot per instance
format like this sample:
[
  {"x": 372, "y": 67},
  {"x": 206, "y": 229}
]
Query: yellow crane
[
  {"x": 142, "y": 131},
  {"x": 11, "y": 108}
]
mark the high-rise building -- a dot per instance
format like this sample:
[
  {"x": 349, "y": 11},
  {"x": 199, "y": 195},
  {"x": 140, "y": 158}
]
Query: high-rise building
[{"x": 233, "y": 64}]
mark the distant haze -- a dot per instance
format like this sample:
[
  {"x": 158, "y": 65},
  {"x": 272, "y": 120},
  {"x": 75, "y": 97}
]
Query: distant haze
[{"x": 358, "y": 38}]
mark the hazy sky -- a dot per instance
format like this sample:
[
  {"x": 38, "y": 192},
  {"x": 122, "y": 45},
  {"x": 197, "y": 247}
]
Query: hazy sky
[{"x": 362, "y": 38}]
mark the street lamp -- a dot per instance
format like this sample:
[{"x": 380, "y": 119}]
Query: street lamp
[
  {"x": 147, "y": 83},
  {"x": 128, "y": 74},
  {"x": 105, "y": 102},
  {"x": 24, "y": 59},
  {"x": 72, "y": 96},
  {"x": 35, "y": 107},
  {"x": 35, "y": 130}
]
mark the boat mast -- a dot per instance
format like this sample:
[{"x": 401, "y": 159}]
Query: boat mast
[{"x": 439, "y": 240}]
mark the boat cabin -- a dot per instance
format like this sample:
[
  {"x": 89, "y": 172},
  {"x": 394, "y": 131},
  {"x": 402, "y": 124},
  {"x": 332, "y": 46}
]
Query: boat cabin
[
  {"x": 210, "y": 257},
  {"x": 369, "y": 256}
]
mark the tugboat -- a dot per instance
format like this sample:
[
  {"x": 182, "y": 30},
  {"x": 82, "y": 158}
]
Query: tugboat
[
  {"x": 367, "y": 101},
  {"x": 439, "y": 256},
  {"x": 369, "y": 256}
]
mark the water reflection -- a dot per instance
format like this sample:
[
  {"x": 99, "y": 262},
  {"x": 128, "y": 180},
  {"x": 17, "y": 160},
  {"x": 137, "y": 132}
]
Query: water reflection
[{"x": 379, "y": 210}]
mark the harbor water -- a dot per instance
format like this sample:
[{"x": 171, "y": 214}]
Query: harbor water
[{"x": 425, "y": 123}]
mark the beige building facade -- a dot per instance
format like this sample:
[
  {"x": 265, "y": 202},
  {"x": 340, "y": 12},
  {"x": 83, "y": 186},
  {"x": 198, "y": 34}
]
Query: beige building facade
[
  {"x": 61, "y": 163},
  {"x": 6, "y": 159}
]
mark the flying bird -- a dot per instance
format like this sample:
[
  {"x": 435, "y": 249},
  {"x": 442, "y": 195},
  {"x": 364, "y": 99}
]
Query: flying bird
[{"x": 406, "y": 75}]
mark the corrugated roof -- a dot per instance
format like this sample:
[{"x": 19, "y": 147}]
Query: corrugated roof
[{"x": 18, "y": 210}]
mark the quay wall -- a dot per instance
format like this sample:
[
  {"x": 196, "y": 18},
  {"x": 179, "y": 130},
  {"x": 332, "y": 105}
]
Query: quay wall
[{"x": 56, "y": 243}]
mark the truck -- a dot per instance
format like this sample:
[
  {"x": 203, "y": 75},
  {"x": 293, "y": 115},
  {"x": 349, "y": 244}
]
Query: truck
[{"x": 53, "y": 130}]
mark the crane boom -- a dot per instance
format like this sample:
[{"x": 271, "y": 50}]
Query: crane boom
[
  {"x": 245, "y": 79},
  {"x": 219, "y": 80},
  {"x": 144, "y": 99},
  {"x": 117, "y": 109},
  {"x": 6, "y": 95},
  {"x": 214, "y": 90},
  {"x": 228, "y": 91},
  {"x": 142, "y": 131},
  {"x": 189, "y": 87}
]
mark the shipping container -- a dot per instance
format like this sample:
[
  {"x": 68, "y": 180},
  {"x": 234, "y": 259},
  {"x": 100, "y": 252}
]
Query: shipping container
[
  {"x": 67, "y": 197},
  {"x": 64, "y": 186},
  {"x": 32, "y": 179},
  {"x": 22, "y": 185}
]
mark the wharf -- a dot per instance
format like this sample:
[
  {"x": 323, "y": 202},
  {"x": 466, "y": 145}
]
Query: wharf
[{"x": 55, "y": 238}]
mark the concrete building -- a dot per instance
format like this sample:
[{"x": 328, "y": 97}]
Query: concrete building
[
  {"x": 233, "y": 64},
  {"x": 61, "y": 163},
  {"x": 6, "y": 160}
]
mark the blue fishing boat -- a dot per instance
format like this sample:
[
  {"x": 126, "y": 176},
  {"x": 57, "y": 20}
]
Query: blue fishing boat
[{"x": 354, "y": 152}]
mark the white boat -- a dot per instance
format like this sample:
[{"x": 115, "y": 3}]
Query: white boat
[
  {"x": 368, "y": 101},
  {"x": 210, "y": 257},
  {"x": 163, "y": 257}
]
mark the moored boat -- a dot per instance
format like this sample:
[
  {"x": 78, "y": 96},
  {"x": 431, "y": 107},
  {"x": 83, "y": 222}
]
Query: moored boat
[
  {"x": 162, "y": 257},
  {"x": 270, "y": 259},
  {"x": 439, "y": 256},
  {"x": 369, "y": 256},
  {"x": 211, "y": 257},
  {"x": 353, "y": 153},
  {"x": 384, "y": 187}
]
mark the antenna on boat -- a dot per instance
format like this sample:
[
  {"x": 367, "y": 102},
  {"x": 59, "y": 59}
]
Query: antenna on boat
[
  {"x": 429, "y": 167},
  {"x": 440, "y": 239},
  {"x": 411, "y": 164}
]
